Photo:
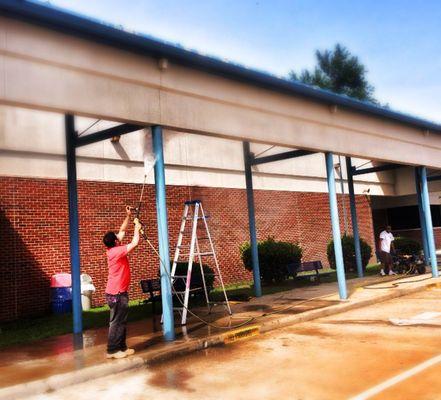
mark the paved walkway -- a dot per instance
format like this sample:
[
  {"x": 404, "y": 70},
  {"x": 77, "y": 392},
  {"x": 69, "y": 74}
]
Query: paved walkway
[
  {"x": 53, "y": 363},
  {"x": 360, "y": 354}
]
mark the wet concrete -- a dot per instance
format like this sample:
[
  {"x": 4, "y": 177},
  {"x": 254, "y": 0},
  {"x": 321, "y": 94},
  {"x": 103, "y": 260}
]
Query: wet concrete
[
  {"x": 58, "y": 355},
  {"x": 176, "y": 379},
  {"x": 19, "y": 364},
  {"x": 53, "y": 356},
  {"x": 309, "y": 361}
]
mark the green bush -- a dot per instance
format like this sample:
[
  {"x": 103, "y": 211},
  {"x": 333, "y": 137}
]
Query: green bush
[
  {"x": 348, "y": 246},
  {"x": 274, "y": 256},
  {"x": 196, "y": 278},
  {"x": 405, "y": 245}
]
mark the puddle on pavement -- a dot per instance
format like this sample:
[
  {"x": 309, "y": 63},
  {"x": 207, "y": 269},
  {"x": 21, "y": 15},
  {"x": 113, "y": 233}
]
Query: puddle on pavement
[
  {"x": 257, "y": 307},
  {"x": 176, "y": 374},
  {"x": 359, "y": 322},
  {"x": 310, "y": 331},
  {"x": 174, "y": 378},
  {"x": 301, "y": 308}
]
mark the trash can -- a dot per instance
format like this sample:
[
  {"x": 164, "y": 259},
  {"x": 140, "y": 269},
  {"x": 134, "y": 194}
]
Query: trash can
[
  {"x": 87, "y": 290},
  {"x": 61, "y": 293}
]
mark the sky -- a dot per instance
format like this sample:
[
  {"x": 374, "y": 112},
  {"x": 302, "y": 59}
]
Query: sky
[{"x": 399, "y": 41}]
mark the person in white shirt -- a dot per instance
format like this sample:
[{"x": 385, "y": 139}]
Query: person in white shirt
[{"x": 386, "y": 245}]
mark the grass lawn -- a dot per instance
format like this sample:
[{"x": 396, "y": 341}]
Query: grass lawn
[
  {"x": 245, "y": 290},
  {"x": 27, "y": 330}
]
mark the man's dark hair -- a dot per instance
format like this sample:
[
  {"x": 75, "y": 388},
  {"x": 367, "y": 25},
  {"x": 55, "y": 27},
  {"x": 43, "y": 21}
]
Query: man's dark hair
[{"x": 110, "y": 239}]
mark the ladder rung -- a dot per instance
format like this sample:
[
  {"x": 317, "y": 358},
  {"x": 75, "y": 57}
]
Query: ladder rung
[
  {"x": 179, "y": 276},
  {"x": 191, "y": 218},
  {"x": 210, "y": 253},
  {"x": 183, "y": 291}
]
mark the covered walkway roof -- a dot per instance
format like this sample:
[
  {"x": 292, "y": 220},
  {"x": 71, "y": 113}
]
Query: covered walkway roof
[
  {"x": 95, "y": 30},
  {"x": 54, "y": 60}
]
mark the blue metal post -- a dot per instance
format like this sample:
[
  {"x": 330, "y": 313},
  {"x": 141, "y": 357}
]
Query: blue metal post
[
  {"x": 252, "y": 220},
  {"x": 358, "y": 259},
  {"x": 74, "y": 237},
  {"x": 335, "y": 226},
  {"x": 428, "y": 219},
  {"x": 161, "y": 213},
  {"x": 422, "y": 219}
]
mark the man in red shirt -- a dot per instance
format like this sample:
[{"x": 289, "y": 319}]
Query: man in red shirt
[{"x": 118, "y": 283}]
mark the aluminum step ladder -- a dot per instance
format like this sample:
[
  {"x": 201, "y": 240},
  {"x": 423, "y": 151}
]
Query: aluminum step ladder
[{"x": 193, "y": 211}]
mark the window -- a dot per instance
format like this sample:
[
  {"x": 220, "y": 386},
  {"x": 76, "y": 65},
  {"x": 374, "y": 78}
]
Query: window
[{"x": 408, "y": 217}]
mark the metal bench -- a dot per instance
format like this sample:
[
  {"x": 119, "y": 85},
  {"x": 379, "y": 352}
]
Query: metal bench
[
  {"x": 151, "y": 287},
  {"x": 294, "y": 269}
]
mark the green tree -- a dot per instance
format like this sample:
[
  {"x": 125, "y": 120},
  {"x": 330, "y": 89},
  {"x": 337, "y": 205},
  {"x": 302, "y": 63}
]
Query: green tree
[{"x": 340, "y": 72}]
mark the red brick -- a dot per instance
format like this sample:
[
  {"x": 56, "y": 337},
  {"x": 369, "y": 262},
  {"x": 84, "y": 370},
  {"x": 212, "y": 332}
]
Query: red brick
[{"x": 35, "y": 244}]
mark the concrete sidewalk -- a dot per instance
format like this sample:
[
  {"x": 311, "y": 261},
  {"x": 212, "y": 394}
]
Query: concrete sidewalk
[{"x": 53, "y": 363}]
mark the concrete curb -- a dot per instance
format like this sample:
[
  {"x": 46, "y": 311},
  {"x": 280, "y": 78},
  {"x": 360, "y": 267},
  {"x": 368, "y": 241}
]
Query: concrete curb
[{"x": 57, "y": 382}]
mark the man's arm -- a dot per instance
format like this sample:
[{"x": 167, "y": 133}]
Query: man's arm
[
  {"x": 135, "y": 239},
  {"x": 392, "y": 246},
  {"x": 123, "y": 228}
]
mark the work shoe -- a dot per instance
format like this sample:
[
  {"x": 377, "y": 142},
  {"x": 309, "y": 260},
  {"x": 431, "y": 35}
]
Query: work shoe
[
  {"x": 382, "y": 273},
  {"x": 130, "y": 352},
  {"x": 392, "y": 272},
  {"x": 117, "y": 355}
]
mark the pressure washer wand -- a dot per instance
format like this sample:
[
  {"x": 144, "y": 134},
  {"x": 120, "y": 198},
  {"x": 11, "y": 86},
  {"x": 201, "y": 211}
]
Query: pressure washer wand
[{"x": 138, "y": 210}]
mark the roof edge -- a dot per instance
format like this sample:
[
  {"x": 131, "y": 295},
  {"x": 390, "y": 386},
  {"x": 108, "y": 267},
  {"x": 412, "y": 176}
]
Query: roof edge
[{"x": 70, "y": 23}]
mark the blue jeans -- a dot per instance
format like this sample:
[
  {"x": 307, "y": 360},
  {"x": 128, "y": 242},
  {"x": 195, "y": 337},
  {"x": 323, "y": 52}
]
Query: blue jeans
[{"x": 119, "y": 309}]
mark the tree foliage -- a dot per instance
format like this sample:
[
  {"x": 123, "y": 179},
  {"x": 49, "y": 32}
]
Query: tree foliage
[{"x": 339, "y": 71}]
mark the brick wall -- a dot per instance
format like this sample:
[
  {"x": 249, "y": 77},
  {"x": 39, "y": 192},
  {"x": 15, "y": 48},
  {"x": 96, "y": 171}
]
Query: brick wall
[{"x": 34, "y": 242}]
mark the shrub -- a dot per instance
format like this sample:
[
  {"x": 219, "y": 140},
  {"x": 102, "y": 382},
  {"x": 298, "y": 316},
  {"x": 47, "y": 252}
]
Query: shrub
[
  {"x": 274, "y": 256},
  {"x": 405, "y": 245},
  {"x": 348, "y": 246},
  {"x": 196, "y": 279}
]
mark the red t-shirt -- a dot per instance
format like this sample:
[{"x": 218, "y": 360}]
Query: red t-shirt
[{"x": 119, "y": 270}]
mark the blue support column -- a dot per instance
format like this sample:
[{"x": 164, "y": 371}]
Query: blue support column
[
  {"x": 251, "y": 220},
  {"x": 422, "y": 219},
  {"x": 335, "y": 227},
  {"x": 428, "y": 219},
  {"x": 74, "y": 237},
  {"x": 358, "y": 259},
  {"x": 161, "y": 212}
]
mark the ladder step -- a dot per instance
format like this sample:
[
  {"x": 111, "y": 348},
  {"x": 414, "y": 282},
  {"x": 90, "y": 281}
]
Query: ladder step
[
  {"x": 210, "y": 253},
  {"x": 191, "y": 218},
  {"x": 183, "y": 291},
  {"x": 188, "y": 244}
]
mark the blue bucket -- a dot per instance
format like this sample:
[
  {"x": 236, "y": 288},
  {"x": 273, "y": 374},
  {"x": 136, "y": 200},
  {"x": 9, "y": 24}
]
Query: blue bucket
[{"x": 61, "y": 300}]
